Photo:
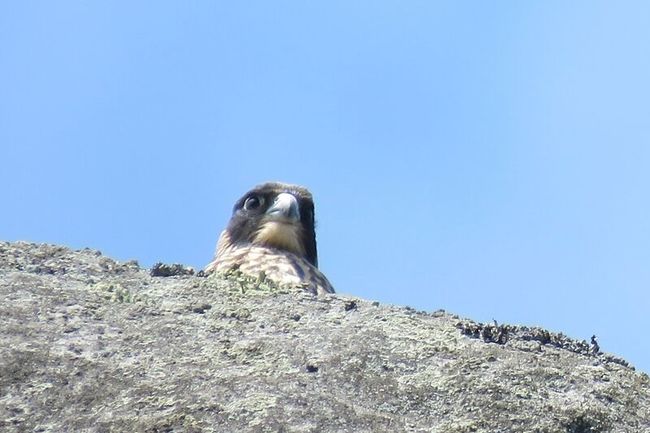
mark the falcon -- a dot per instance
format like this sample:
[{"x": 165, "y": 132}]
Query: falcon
[{"x": 271, "y": 235}]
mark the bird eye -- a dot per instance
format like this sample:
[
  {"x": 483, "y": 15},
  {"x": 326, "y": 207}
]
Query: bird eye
[{"x": 253, "y": 202}]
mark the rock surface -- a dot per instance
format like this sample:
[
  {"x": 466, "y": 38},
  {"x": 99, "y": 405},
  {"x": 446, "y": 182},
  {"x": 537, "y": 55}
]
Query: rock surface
[{"x": 90, "y": 344}]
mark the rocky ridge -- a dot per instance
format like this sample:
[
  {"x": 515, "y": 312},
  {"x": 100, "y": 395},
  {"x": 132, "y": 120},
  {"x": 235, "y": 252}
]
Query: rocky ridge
[{"x": 91, "y": 344}]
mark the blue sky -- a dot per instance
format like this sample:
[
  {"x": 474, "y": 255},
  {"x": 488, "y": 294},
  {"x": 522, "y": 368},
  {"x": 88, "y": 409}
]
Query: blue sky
[{"x": 489, "y": 159}]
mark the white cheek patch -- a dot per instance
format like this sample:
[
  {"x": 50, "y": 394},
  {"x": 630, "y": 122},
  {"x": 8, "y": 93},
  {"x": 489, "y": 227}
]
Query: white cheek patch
[{"x": 280, "y": 235}]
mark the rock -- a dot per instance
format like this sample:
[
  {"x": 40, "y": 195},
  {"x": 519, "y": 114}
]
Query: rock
[
  {"x": 90, "y": 344},
  {"x": 170, "y": 270}
]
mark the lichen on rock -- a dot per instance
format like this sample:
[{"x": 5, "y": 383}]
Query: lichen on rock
[{"x": 91, "y": 344}]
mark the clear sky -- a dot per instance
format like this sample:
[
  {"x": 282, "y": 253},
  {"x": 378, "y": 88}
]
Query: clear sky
[{"x": 490, "y": 159}]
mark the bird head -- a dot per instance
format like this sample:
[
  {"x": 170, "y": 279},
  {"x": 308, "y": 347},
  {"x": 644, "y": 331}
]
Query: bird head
[{"x": 275, "y": 215}]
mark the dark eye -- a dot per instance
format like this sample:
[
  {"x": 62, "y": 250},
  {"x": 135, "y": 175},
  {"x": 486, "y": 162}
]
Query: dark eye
[{"x": 253, "y": 202}]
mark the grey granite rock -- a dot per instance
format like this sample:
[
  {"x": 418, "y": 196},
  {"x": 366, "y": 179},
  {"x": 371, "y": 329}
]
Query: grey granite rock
[{"x": 90, "y": 344}]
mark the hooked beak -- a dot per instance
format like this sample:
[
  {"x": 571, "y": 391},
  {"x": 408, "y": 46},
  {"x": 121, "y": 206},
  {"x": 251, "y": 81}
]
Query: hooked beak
[{"x": 285, "y": 206}]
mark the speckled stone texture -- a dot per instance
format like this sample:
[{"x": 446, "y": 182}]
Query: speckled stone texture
[{"x": 90, "y": 344}]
